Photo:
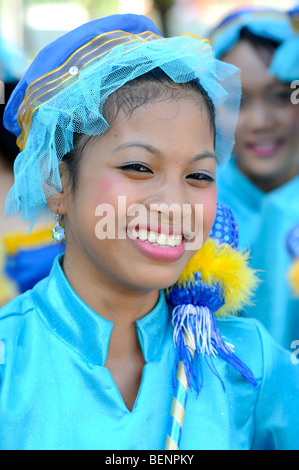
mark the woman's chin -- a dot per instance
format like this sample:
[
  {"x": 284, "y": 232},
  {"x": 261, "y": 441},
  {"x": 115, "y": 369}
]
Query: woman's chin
[{"x": 160, "y": 282}]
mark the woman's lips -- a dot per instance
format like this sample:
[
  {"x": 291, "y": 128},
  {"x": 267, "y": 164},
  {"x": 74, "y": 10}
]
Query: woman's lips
[
  {"x": 265, "y": 147},
  {"x": 158, "y": 245}
]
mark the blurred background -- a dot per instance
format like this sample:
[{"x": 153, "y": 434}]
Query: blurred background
[{"x": 31, "y": 24}]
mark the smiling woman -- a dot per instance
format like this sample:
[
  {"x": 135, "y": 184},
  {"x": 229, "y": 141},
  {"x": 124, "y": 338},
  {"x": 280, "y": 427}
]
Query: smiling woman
[
  {"x": 120, "y": 125},
  {"x": 145, "y": 158},
  {"x": 110, "y": 168}
]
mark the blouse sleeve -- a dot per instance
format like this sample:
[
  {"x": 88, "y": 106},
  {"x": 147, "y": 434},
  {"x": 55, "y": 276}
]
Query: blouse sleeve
[{"x": 277, "y": 406}]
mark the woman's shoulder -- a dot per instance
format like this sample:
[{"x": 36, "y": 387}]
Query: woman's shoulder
[
  {"x": 248, "y": 333},
  {"x": 18, "y": 310},
  {"x": 254, "y": 345},
  {"x": 15, "y": 311}
]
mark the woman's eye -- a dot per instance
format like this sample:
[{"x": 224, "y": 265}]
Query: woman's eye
[
  {"x": 136, "y": 167},
  {"x": 201, "y": 177},
  {"x": 280, "y": 97}
]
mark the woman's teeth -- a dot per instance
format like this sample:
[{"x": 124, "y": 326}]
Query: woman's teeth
[
  {"x": 266, "y": 146},
  {"x": 158, "y": 239}
]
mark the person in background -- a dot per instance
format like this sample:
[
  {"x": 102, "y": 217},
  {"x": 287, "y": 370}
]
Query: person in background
[
  {"x": 23, "y": 260},
  {"x": 285, "y": 66},
  {"x": 137, "y": 116},
  {"x": 261, "y": 182}
]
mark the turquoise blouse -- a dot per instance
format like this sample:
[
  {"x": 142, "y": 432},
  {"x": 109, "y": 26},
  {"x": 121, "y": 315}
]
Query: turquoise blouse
[
  {"x": 55, "y": 392},
  {"x": 265, "y": 220}
]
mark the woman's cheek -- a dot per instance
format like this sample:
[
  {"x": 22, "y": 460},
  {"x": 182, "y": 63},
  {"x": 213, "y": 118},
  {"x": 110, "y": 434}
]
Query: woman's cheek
[
  {"x": 108, "y": 189},
  {"x": 205, "y": 211},
  {"x": 240, "y": 130},
  {"x": 210, "y": 208},
  {"x": 290, "y": 120}
]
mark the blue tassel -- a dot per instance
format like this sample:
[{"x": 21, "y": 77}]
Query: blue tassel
[{"x": 196, "y": 331}]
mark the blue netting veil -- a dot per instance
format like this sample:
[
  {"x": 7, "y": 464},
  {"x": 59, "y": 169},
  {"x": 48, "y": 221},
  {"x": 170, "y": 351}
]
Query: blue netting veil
[{"x": 68, "y": 98}]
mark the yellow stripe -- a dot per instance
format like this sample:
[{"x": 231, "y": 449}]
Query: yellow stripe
[
  {"x": 170, "y": 444},
  {"x": 295, "y": 23},
  {"x": 16, "y": 241},
  {"x": 8, "y": 289},
  {"x": 177, "y": 411},
  {"x": 181, "y": 376}
]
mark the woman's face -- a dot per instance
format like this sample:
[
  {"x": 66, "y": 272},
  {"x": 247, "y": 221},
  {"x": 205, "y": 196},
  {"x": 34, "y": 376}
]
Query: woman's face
[
  {"x": 267, "y": 137},
  {"x": 163, "y": 154}
]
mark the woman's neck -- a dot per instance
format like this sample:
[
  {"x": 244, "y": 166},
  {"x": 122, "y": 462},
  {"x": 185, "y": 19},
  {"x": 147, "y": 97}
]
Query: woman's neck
[
  {"x": 123, "y": 306},
  {"x": 118, "y": 303},
  {"x": 270, "y": 184}
]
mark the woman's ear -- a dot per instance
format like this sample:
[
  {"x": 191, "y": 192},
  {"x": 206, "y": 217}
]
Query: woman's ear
[{"x": 58, "y": 203}]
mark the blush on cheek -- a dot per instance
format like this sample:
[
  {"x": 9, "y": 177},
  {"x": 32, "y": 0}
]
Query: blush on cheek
[
  {"x": 108, "y": 189},
  {"x": 209, "y": 212}
]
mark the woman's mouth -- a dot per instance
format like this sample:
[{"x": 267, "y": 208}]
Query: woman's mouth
[
  {"x": 158, "y": 245},
  {"x": 265, "y": 147}
]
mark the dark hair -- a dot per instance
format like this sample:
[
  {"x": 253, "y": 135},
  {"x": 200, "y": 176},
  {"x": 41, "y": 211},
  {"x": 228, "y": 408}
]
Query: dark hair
[
  {"x": 152, "y": 86},
  {"x": 264, "y": 47},
  {"x": 8, "y": 146}
]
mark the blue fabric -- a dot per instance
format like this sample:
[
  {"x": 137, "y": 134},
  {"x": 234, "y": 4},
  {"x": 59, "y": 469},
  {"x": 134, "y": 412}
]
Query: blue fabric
[
  {"x": 265, "y": 22},
  {"x": 265, "y": 220},
  {"x": 55, "y": 392},
  {"x": 56, "y": 53},
  {"x": 71, "y": 99},
  {"x": 27, "y": 267},
  {"x": 285, "y": 65}
]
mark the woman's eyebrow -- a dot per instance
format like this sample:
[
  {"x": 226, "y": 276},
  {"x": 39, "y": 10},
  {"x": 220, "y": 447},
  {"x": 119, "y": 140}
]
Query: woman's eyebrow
[
  {"x": 149, "y": 148},
  {"x": 203, "y": 155},
  {"x": 159, "y": 154}
]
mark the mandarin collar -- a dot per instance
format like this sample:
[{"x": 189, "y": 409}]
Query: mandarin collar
[{"x": 84, "y": 330}]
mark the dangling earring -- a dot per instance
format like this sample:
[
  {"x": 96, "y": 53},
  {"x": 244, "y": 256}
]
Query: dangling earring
[{"x": 58, "y": 232}]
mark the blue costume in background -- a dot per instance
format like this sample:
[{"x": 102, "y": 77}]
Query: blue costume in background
[
  {"x": 55, "y": 391},
  {"x": 264, "y": 220},
  {"x": 23, "y": 260},
  {"x": 57, "y": 394},
  {"x": 28, "y": 259},
  {"x": 268, "y": 23}
]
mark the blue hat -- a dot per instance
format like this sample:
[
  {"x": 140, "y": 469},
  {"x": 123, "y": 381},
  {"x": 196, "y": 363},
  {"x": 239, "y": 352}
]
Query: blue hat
[
  {"x": 65, "y": 88},
  {"x": 56, "y": 53},
  {"x": 267, "y": 23},
  {"x": 285, "y": 65}
]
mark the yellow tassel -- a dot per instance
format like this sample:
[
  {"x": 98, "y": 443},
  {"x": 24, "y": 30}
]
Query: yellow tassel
[
  {"x": 224, "y": 265},
  {"x": 294, "y": 277}
]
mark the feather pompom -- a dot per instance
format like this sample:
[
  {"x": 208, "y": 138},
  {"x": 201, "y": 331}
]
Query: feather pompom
[
  {"x": 216, "y": 282},
  {"x": 222, "y": 265}
]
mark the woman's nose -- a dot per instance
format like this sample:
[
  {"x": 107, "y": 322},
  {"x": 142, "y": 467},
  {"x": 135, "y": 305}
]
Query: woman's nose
[
  {"x": 260, "y": 116},
  {"x": 170, "y": 202}
]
